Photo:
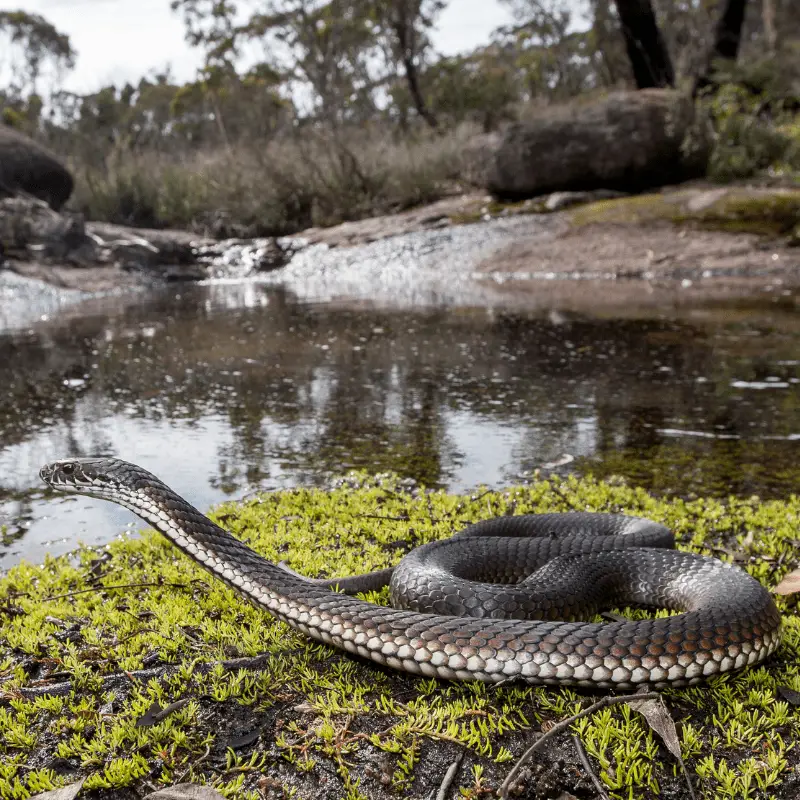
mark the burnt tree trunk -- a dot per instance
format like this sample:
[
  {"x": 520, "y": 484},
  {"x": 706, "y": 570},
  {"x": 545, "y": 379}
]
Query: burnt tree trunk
[
  {"x": 727, "y": 37},
  {"x": 647, "y": 51}
]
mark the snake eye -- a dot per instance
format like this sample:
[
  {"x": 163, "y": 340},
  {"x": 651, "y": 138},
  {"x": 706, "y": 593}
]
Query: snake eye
[{"x": 68, "y": 469}]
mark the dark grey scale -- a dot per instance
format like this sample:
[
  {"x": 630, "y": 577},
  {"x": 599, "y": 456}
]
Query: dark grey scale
[{"x": 491, "y": 602}]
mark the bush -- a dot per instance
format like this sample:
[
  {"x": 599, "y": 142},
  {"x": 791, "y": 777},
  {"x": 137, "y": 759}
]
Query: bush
[
  {"x": 747, "y": 143},
  {"x": 755, "y": 111}
]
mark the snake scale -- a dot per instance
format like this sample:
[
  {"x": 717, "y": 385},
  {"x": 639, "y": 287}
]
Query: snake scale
[{"x": 489, "y": 603}]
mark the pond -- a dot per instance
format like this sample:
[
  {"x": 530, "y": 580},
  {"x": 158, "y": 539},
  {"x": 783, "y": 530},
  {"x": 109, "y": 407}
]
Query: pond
[{"x": 226, "y": 388}]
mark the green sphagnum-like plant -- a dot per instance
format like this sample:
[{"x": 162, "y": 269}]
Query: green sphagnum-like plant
[{"x": 310, "y": 721}]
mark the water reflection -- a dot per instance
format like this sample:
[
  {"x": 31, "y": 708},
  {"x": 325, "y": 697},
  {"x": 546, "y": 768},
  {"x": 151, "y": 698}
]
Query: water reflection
[{"x": 219, "y": 389}]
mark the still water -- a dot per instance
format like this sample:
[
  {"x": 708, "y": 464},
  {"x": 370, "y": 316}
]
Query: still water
[{"x": 223, "y": 389}]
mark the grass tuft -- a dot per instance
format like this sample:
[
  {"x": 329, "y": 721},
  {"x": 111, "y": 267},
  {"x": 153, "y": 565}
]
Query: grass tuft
[{"x": 280, "y": 187}]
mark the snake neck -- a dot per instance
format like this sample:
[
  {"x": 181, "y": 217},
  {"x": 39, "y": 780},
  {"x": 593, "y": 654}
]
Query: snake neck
[{"x": 203, "y": 540}]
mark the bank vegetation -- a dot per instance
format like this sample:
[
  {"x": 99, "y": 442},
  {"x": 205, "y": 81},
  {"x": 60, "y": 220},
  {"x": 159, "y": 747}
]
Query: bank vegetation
[{"x": 311, "y": 112}]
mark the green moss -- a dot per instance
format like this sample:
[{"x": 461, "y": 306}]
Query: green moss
[
  {"x": 497, "y": 208},
  {"x": 639, "y": 208},
  {"x": 310, "y": 713},
  {"x": 769, "y": 213}
]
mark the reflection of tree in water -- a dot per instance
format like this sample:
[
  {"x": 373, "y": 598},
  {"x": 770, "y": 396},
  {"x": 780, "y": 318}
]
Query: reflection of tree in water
[
  {"x": 356, "y": 408},
  {"x": 356, "y": 428},
  {"x": 616, "y": 394},
  {"x": 308, "y": 390}
]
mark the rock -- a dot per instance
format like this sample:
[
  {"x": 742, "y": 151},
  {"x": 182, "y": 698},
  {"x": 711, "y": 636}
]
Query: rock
[
  {"x": 30, "y": 228},
  {"x": 627, "y": 141},
  {"x": 26, "y": 166},
  {"x": 34, "y": 233}
]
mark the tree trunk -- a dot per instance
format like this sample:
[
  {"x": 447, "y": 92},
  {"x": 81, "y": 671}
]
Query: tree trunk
[
  {"x": 646, "y": 48},
  {"x": 726, "y": 42},
  {"x": 412, "y": 76},
  {"x": 404, "y": 31},
  {"x": 768, "y": 20}
]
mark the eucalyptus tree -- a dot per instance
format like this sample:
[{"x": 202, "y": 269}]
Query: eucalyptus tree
[
  {"x": 564, "y": 48},
  {"x": 32, "y": 51},
  {"x": 647, "y": 50},
  {"x": 405, "y": 25},
  {"x": 335, "y": 58}
]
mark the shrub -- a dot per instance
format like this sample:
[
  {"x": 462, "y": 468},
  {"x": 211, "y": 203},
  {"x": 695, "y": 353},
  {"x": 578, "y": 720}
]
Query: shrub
[
  {"x": 755, "y": 113},
  {"x": 313, "y": 178}
]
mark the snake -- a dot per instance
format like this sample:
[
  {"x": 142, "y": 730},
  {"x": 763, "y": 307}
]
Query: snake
[{"x": 505, "y": 599}]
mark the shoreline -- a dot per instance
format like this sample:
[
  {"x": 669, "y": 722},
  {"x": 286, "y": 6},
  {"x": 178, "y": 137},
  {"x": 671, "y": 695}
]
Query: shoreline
[{"x": 707, "y": 240}]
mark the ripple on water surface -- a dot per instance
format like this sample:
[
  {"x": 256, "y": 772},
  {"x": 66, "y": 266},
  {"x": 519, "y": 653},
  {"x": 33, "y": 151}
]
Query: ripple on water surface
[{"x": 222, "y": 389}]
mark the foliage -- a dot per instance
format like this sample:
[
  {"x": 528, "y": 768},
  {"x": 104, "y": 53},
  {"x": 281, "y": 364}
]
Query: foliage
[
  {"x": 755, "y": 113},
  {"x": 327, "y": 121},
  {"x": 553, "y": 51},
  {"x": 34, "y": 45},
  {"x": 32, "y": 50},
  {"x": 339, "y": 53}
]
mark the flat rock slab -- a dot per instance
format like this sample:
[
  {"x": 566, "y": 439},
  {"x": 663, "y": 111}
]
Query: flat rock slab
[{"x": 652, "y": 252}]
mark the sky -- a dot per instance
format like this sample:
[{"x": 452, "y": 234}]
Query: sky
[{"x": 122, "y": 40}]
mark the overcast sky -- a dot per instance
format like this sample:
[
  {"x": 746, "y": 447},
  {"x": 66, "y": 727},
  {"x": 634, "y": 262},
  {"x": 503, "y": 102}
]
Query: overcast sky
[{"x": 122, "y": 40}]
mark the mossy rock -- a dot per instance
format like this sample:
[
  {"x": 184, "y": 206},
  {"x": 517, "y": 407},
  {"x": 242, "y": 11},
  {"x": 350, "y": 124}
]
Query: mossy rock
[
  {"x": 309, "y": 721},
  {"x": 768, "y": 212}
]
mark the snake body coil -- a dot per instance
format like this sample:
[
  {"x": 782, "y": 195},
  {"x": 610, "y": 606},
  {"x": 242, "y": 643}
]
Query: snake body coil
[{"x": 454, "y": 625}]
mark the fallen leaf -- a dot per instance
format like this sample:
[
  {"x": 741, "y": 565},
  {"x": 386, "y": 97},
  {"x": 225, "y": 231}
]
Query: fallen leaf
[
  {"x": 662, "y": 724},
  {"x": 64, "y": 793},
  {"x": 244, "y": 739},
  {"x": 789, "y": 695},
  {"x": 790, "y": 583},
  {"x": 149, "y": 717},
  {"x": 185, "y": 791},
  {"x": 156, "y": 714},
  {"x": 658, "y": 718}
]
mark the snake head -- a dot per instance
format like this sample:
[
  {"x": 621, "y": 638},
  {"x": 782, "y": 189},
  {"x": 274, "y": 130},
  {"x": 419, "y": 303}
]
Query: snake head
[{"x": 79, "y": 474}]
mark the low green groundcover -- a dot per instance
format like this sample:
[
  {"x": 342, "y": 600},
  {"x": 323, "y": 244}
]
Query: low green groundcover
[{"x": 307, "y": 721}]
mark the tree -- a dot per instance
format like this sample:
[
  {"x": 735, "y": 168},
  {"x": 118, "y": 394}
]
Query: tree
[
  {"x": 607, "y": 45},
  {"x": 727, "y": 36},
  {"x": 480, "y": 86},
  {"x": 339, "y": 54},
  {"x": 223, "y": 106},
  {"x": 406, "y": 20},
  {"x": 647, "y": 51},
  {"x": 554, "y": 58},
  {"x": 768, "y": 20},
  {"x": 33, "y": 44}
]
